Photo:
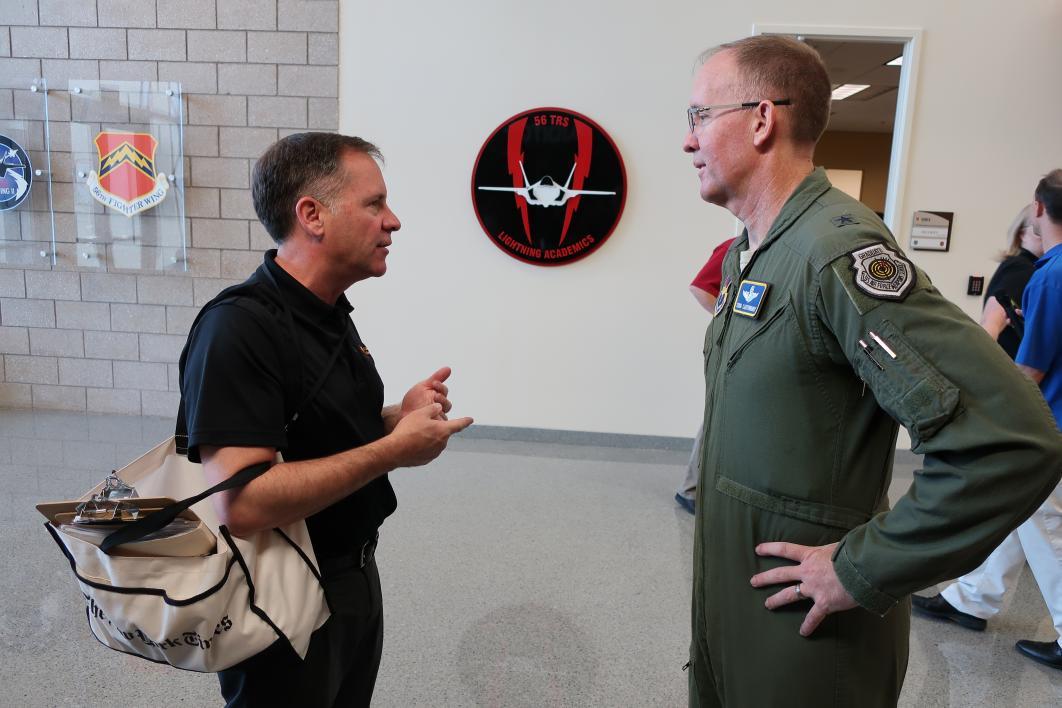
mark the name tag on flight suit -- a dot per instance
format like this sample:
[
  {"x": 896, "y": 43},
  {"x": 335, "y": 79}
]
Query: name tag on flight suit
[{"x": 750, "y": 298}]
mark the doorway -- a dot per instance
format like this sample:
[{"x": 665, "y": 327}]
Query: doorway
[{"x": 872, "y": 71}]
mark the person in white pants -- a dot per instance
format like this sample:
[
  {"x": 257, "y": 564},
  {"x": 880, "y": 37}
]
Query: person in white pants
[
  {"x": 978, "y": 595},
  {"x": 1038, "y": 540}
]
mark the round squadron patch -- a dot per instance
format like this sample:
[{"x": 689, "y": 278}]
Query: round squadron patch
[
  {"x": 16, "y": 174},
  {"x": 882, "y": 273},
  {"x": 541, "y": 219}
]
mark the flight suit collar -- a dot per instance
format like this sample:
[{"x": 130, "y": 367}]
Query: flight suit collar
[{"x": 814, "y": 186}]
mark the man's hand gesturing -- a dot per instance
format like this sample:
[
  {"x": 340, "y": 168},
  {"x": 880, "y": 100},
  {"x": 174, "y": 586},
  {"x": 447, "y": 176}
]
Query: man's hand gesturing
[
  {"x": 430, "y": 390},
  {"x": 422, "y": 435}
]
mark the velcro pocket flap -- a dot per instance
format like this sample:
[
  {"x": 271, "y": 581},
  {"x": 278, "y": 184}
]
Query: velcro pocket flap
[{"x": 908, "y": 387}]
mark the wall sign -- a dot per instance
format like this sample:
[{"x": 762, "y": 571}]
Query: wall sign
[
  {"x": 931, "y": 230},
  {"x": 16, "y": 174},
  {"x": 549, "y": 186},
  {"x": 127, "y": 181}
]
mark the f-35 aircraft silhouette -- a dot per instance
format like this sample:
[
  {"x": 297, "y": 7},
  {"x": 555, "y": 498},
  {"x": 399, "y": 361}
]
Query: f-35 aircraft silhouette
[{"x": 546, "y": 192}]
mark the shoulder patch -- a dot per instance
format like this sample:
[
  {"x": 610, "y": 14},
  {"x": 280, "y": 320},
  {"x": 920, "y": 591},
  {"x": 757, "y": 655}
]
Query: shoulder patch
[
  {"x": 882, "y": 273},
  {"x": 844, "y": 220}
]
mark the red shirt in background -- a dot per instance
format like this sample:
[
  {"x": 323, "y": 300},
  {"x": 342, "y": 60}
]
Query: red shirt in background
[{"x": 710, "y": 278}]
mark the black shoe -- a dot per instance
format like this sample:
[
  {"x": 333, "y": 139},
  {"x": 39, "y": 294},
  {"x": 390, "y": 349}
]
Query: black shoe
[
  {"x": 939, "y": 608},
  {"x": 688, "y": 504},
  {"x": 1048, "y": 653}
]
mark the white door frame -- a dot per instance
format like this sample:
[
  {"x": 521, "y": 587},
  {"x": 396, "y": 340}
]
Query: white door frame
[{"x": 901, "y": 132}]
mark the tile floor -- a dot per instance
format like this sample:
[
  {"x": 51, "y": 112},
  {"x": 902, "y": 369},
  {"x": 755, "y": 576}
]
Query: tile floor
[{"x": 515, "y": 574}]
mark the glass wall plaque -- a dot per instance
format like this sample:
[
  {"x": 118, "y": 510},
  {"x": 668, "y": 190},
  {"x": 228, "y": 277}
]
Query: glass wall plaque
[
  {"x": 125, "y": 170},
  {"x": 27, "y": 225}
]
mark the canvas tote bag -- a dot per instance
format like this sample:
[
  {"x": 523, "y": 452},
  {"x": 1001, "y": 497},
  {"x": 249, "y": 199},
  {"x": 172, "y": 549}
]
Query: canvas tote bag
[{"x": 203, "y": 613}]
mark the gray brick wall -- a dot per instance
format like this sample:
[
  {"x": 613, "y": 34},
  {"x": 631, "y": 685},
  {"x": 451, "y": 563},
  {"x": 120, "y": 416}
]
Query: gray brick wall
[
  {"x": 68, "y": 13},
  {"x": 103, "y": 334},
  {"x": 125, "y": 13}
]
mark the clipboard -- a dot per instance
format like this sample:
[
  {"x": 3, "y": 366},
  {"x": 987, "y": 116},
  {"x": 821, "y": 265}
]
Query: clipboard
[
  {"x": 191, "y": 538},
  {"x": 63, "y": 512}
]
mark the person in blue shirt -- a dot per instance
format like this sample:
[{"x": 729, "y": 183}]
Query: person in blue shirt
[
  {"x": 978, "y": 595},
  {"x": 1040, "y": 354}
]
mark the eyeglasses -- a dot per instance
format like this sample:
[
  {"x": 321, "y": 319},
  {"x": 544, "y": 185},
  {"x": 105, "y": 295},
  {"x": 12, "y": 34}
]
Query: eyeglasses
[{"x": 699, "y": 115}]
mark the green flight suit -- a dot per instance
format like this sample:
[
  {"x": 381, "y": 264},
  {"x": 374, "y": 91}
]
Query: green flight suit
[{"x": 801, "y": 424}]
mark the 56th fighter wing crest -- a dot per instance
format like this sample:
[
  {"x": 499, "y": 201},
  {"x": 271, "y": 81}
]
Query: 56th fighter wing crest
[{"x": 126, "y": 180}]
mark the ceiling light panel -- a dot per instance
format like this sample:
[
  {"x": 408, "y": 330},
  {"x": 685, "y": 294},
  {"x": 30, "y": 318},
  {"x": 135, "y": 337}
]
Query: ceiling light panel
[{"x": 845, "y": 90}]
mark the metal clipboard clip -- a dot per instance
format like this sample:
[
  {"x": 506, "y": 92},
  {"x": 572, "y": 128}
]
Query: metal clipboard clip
[{"x": 110, "y": 505}]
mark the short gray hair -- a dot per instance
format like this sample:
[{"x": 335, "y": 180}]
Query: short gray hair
[{"x": 775, "y": 67}]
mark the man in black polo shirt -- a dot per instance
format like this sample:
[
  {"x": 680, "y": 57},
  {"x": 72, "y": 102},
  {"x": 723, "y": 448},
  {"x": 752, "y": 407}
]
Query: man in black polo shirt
[{"x": 248, "y": 375}]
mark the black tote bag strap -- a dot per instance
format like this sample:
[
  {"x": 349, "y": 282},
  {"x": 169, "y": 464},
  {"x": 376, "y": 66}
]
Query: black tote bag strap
[
  {"x": 343, "y": 341},
  {"x": 181, "y": 428},
  {"x": 180, "y": 433},
  {"x": 157, "y": 520}
]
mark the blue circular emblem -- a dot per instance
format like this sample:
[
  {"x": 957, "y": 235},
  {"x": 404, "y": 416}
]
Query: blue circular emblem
[{"x": 16, "y": 174}]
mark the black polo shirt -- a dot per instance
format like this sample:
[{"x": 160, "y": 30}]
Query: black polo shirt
[{"x": 243, "y": 365}]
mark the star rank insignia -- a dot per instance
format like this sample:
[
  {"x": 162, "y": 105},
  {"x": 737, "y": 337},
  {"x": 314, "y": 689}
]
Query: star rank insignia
[{"x": 844, "y": 220}]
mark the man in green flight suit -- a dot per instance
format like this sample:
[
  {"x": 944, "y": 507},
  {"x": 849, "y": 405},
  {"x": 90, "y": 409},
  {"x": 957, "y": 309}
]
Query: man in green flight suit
[{"x": 825, "y": 336}]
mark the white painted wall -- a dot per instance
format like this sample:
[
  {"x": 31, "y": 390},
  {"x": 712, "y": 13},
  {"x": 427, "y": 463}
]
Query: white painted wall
[{"x": 612, "y": 342}]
